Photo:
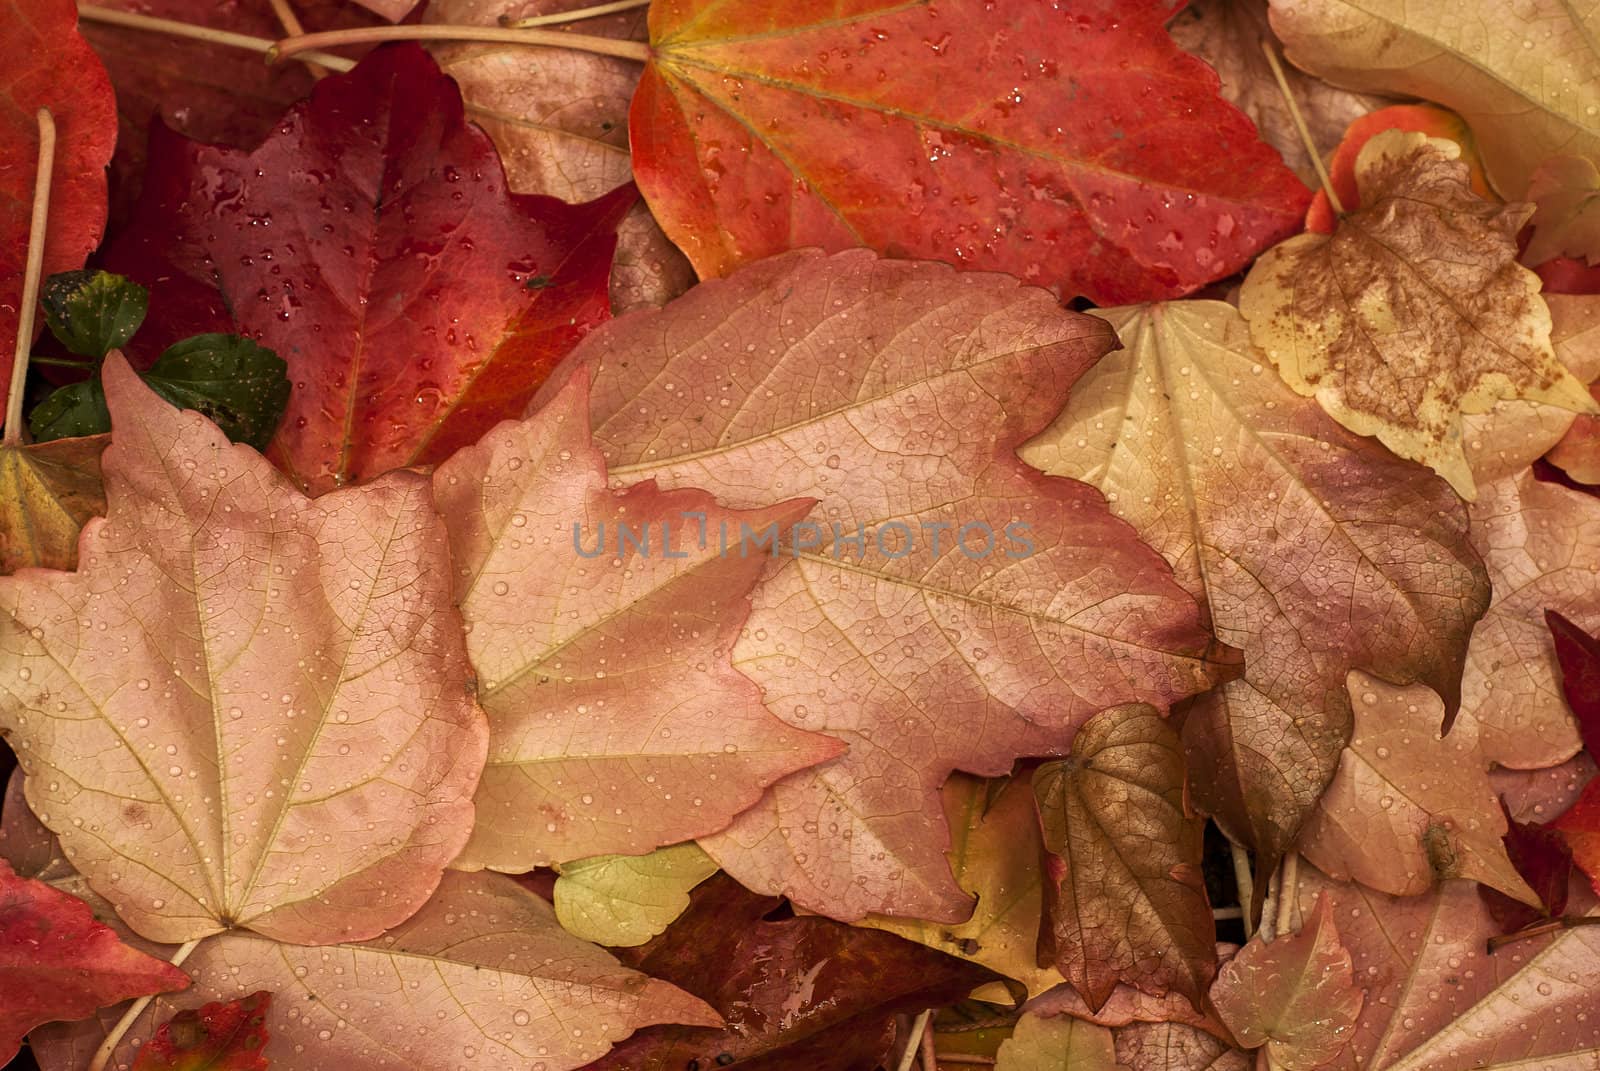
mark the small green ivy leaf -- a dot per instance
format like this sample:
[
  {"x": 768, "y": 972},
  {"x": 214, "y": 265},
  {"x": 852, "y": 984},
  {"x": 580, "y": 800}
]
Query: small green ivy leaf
[
  {"x": 73, "y": 410},
  {"x": 93, "y": 312},
  {"x": 241, "y": 386}
]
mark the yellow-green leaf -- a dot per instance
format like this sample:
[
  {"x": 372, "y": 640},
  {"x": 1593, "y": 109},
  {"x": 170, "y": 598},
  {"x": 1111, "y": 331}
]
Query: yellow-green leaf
[{"x": 624, "y": 900}]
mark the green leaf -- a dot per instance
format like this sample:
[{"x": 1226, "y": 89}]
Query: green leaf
[
  {"x": 241, "y": 386},
  {"x": 624, "y": 900},
  {"x": 76, "y": 409},
  {"x": 93, "y": 312}
]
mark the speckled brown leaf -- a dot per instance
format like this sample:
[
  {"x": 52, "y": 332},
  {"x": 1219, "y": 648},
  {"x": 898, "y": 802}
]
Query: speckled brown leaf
[
  {"x": 1128, "y": 1005},
  {"x": 246, "y": 708},
  {"x": 617, "y": 724},
  {"x": 47, "y": 492},
  {"x": 1295, "y": 995},
  {"x": 1175, "y": 1047},
  {"x": 994, "y": 854},
  {"x": 1407, "y": 807},
  {"x": 1315, "y": 550},
  {"x": 1227, "y": 34},
  {"x": 1524, "y": 75},
  {"x": 1123, "y": 895},
  {"x": 560, "y": 120},
  {"x": 483, "y": 978},
  {"x": 896, "y": 393},
  {"x": 1541, "y": 542},
  {"x": 1414, "y": 311},
  {"x": 1565, "y": 191},
  {"x": 1062, "y": 1044},
  {"x": 1436, "y": 1000}
]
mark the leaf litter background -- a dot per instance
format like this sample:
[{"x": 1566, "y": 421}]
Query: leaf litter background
[{"x": 398, "y": 762}]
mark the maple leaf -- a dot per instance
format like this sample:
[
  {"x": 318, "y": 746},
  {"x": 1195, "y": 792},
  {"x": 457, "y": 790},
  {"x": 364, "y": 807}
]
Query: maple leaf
[
  {"x": 47, "y": 492},
  {"x": 1039, "y": 1044},
  {"x": 1542, "y": 857},
  {"x": 797, "y": 993},
  {"x": 1565, "y": 191},
  {"x": 1296, "y": 995},
  {"x": 1123, "y": 894},
  {"x": 617, "y": 724},
  {"x": 48, "y": 64},
  {"x": 1176, "y": 1047},
  {"x": 1414, "y": 311},
  {"x": 560, "y": 119},
  {"x": 994, "y": 855},
  {"x": 375, "y": 249},
  {"x": 1128, "y": 1005},
  {"x": 1436, "y": 1000},
  {"x": 1541, "y": 543},
  {"x": 1523, "y": 76},
  {"x": 1285, "y": 526},
  {"x": 1227, "y": 34},
  {"x": 57, "y": 962},
  {"x": 1054, "y": 142},
  {"x": 895, "y": 393},
  {"x": 624, "y": 900},
  {"x": 1409, "y": 807},
  {"x": 227, "y": 1036},
  {"x": 245, "y": 708}
]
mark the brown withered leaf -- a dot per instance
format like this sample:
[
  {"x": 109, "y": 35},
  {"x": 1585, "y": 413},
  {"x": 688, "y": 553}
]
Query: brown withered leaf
[
  {"x": 1128, "y": 1005},
  {"x": 1040, "y": 1044},
  {"x": 1123, "y": 894},
  {"x": 560, "y": 120},
  {"x": 1294, "y": 995},
  {"x": 1315, "y": 550},
  {"x": 1413, "y": 311},
  {"x": 1176, "y": 1047},
  {"x": 1227, "y": 34},
  {"x": 1565, "y": 191},
  {"x": 1408, "y": 807},
  {"x": 47, "y": 492},
  {"x": 1541, "y": 543}
]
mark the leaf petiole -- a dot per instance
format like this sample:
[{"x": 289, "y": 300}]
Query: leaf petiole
[
  {"x": 604, "y": 46},
  {"x": 31, "y": 274},
  {"x": 1539, "y": 929},
  {"x": 173, "y": 28},
  {"x": 102, "y": 1055},
  {"x": 62, "y": 362},
  {"x": 575, "y": 15}
]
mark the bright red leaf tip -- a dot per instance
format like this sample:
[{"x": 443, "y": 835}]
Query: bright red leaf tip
[
  {"x": 371, "y": 242},
  {"x": 215, "y": 1037},
  {"x": 47, "y": 63},
  {"x": 1070, "y": 144},
  {"x": 1578, "y": 654},
  {"x": 57, "y": 962},
  {"x": 1543, "y": 858},
  {"x": 1580, "y": 824}
]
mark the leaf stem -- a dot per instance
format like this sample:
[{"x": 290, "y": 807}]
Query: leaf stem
[
  {"x": 174, "y": 28},
  {"x": 31, "y": 274},
  {"x": 102, "y": 1055},
  {"x": 1539, "y": 929},
  {"x": 914, "y": 1041},
  {"x": 575, "y": 15},
  {"x": 1241, "y": 878},
  {"x": 965, "y": 1058},
  {"x": 61, "y": 362},
  {"x": 1300, "y": 125},
  {"x": 1288, "y": 878},
  {"x": 291, "y": 26},
  {"x": 603, "y": 46}
]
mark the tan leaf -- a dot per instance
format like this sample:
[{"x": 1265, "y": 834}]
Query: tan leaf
[
  {"x": 1296, "y": 995},
  {"x": 482, "y": 977},
  {"x": 1176, "y": 1047},
  {"x": 1407, "y": 807},
  {"x": 1123, "y": 894},
  {"x": 1062, "y": 1044},
  {"x": 47, "y": 492},
  {"x": 1578, "y": 452},
  {"x": 1515, "y": 434},
  {"x": 617, "y": 724},
  {"x": 1436, "y": 1000},
  {"x": 1227, "y": 34},
  {"x": 1315, "y": 550},
  {"x": 895, "y": 393},
  {"x": 1127, "y": 1005},
  {"x": 624, "y": 900},
  {"x": 994, "y": 854},
  {"x": 246, "y": 708},
  {"x": 1413, "y": 311},
  {"x": 1525, "y": 76},
  {"x": 560, "y": 120},
  {"x": 1541, "y": 543},
  {"x": 1565, "y": 191}
]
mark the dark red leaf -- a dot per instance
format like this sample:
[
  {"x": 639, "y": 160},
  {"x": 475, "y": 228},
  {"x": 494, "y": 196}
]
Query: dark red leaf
[
  {"x": 799, "y": 993},
  {"x": 1543, "y": 858},
  {"x": 1580, "y": 824},
  {"x": 57, "y": 962},
  {"x": 215, "y": 1037},
  {"x": 1579, "y": 656},
  {"x": 371, "y": 242}
]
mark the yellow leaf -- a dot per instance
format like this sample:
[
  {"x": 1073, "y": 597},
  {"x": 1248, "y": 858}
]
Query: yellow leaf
[
  {"x": 624, "y": 900},
  {"x": 47, "y": 491},
  {"x": 1061, "y": 1044},
  {"x": 1414, "y": 311}
]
